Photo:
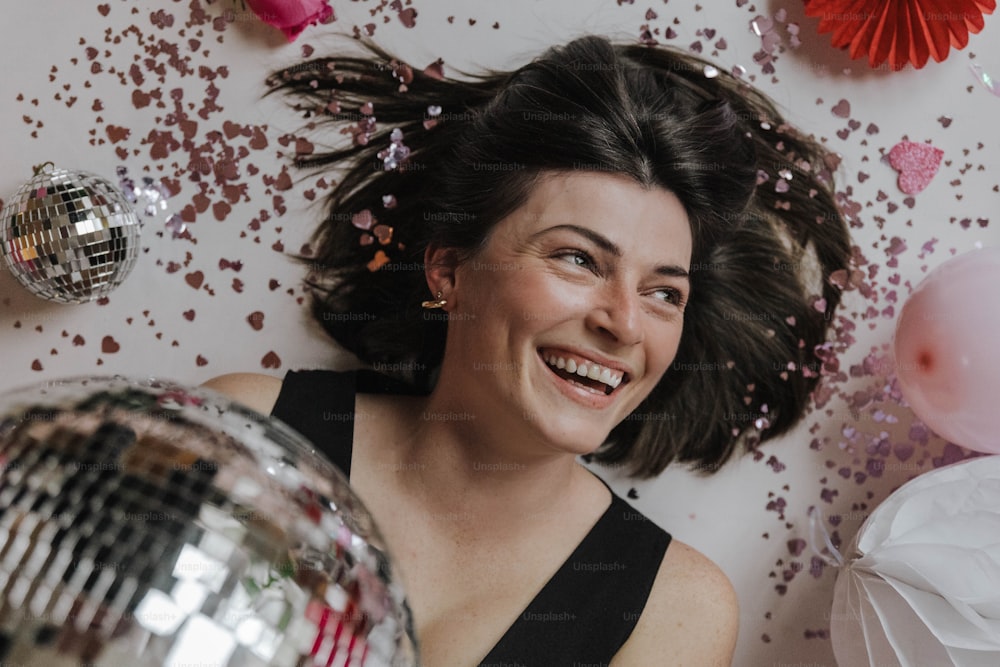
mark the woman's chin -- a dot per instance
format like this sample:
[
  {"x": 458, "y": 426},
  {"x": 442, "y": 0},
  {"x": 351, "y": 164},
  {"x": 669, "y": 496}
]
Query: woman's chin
[{"x": 573, "y": 439}]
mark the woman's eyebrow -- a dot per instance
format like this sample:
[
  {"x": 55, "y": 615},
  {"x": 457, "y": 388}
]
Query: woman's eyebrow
[{"x": 608, "y": 246}]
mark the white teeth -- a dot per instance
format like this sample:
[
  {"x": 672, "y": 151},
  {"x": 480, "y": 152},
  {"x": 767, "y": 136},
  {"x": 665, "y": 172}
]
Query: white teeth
[{"x": 587, "y": 370}]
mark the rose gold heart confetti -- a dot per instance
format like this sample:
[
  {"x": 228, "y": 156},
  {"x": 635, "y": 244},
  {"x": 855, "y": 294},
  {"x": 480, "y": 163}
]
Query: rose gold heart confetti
[
  {"x": 194, "y": 279},
  {"x": 377, "y": 262},
  {"x": 109, "y": 345},
  {"x": 256, "y": 320},
  {"x": 408, "y": 17},
  {"x": 383, "y": 233}
]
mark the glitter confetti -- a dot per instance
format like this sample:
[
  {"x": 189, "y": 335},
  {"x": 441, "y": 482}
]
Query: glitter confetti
[
  {"x": 397, "y": 152},
  {"x": 916, "y": 163},
  {"x": 983, "y": 77}
]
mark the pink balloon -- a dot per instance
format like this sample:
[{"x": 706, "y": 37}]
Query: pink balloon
[{"x": 947, "y": 350}]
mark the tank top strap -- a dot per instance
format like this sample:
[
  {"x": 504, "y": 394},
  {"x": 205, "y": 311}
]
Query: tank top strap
[{"x": 319, "y": 404}]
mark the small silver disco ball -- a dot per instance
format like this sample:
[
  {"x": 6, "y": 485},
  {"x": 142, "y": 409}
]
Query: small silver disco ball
[
  {"x": 148, "y": 524},
  {"x": 69, "y": 236}
]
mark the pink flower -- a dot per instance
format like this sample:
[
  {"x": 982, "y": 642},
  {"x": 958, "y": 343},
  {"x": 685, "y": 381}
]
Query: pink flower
[{"x": 291, "y": 16}]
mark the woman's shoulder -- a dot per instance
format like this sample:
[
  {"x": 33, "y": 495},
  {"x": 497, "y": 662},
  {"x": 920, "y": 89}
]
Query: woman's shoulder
[
  {"x": 254, "y": 390},
  {"x": 692, "y": 614},
  {"x": 261, "y": 392}
]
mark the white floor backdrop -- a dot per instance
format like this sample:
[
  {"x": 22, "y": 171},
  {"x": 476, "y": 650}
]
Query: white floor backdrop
[{"x": 92, "y": 85}]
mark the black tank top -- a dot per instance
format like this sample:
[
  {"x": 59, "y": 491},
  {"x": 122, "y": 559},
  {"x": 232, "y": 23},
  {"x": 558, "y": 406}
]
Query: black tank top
[{"x": 584, "y": 613}]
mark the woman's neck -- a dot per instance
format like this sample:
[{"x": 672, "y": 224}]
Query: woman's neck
[{"x": 456, "y": 460}]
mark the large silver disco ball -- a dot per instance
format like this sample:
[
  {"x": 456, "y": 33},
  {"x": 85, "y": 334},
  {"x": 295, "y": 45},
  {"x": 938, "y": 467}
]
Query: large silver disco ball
[
  {"x": 69, "y": 236},
  {"x": 144, "y": 523}
]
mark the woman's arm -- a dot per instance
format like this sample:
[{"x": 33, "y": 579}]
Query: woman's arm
[
  {"x": 691, "y": 618},
  {"x": 253, "y": 390}
]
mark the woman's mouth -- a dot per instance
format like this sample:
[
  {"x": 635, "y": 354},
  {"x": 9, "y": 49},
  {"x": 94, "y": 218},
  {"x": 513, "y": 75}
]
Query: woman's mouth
[{"x": 584, "y": 372}]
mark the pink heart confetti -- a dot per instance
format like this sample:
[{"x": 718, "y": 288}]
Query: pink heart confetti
[
  {"x": 761, "y": 25},
  {"x": 842, "y": 109},
  {"x": 896, "y": 246},
  {"x": 363, "y": 219},
  {"x": 903, "y": 451},
  {"x": 916, "y": 163}
]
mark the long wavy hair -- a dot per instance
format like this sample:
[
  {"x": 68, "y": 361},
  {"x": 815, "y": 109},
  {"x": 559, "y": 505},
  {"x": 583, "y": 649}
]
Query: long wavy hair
[{"x": 759, "y": 194}]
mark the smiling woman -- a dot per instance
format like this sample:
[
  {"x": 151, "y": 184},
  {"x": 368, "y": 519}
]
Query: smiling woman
[{"x": 573, "y": 258}]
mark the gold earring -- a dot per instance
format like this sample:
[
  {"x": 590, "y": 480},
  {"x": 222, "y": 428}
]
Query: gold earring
[{"x": 438, "y": 303}]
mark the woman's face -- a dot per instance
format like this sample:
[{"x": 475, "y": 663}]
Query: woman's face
[{"x": 589, "y": 276}]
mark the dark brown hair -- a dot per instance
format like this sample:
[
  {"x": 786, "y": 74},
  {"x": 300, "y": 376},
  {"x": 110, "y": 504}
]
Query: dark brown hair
[{"x": 758, "y": 193}]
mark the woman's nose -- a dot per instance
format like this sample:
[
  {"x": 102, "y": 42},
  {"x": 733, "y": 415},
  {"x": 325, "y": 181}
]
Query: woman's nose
[{"x": 617, "y": 312}]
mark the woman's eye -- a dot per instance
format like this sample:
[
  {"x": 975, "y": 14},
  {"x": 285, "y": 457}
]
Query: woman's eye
[
  {"x": 670, "y": 295},
  {"x": 577, "y": 258}
]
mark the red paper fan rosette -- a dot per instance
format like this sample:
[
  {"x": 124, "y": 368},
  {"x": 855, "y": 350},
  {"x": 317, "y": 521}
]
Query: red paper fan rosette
[{"x": 900, "y": 31}]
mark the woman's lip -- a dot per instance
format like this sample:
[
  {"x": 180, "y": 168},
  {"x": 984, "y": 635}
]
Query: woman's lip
[{"x": 579, "y": 393}]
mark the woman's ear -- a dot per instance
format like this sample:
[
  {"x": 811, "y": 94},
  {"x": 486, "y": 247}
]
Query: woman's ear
[{"x": 440, "y": 266}]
